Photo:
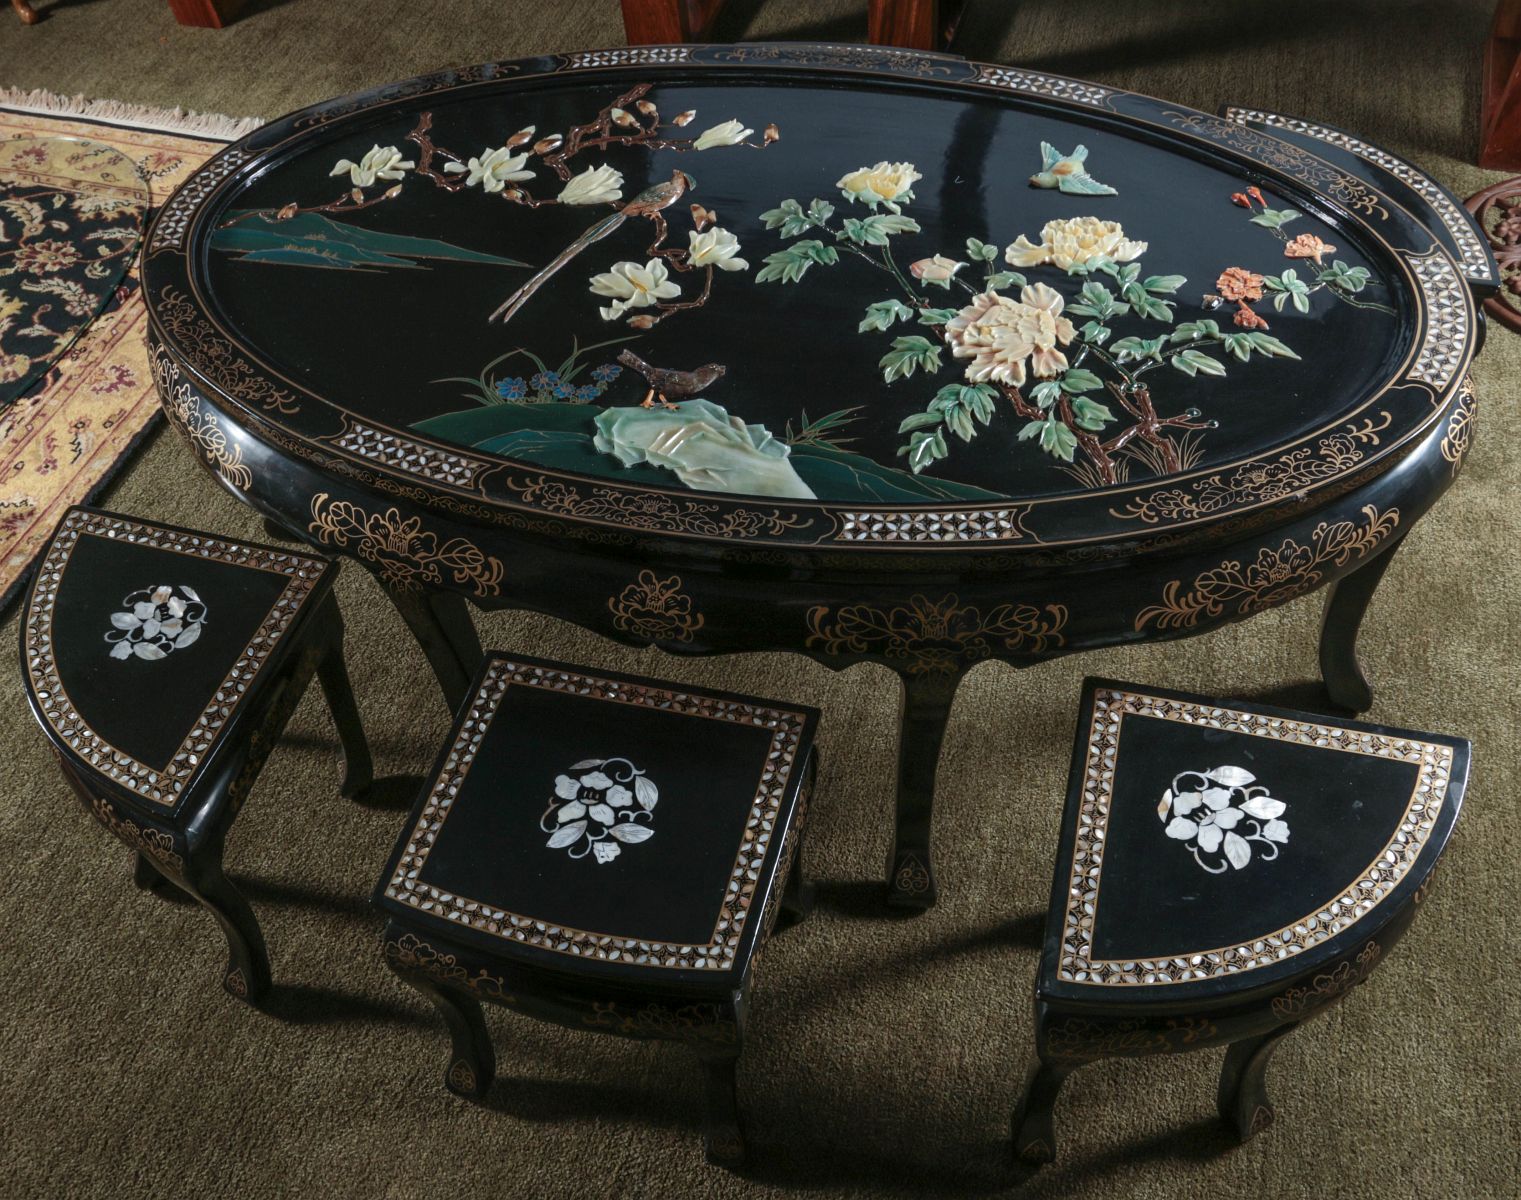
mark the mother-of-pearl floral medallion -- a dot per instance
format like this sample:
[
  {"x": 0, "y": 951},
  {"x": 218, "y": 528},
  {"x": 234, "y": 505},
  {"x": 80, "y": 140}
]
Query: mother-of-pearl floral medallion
[
  {"x": 600, "y": 805},
  {"x": 1220, "y": 814},
  {"x": 156, "y": 621}
]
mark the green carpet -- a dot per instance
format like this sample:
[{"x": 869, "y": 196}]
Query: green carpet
[{"x": 885, "y": 1054}]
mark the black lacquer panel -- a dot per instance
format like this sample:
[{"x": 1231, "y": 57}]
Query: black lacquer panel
[
  {"x": 667, "y": 888},
  {"x": 1159, "y": 900},
  {"x": 145, "y": 706}
]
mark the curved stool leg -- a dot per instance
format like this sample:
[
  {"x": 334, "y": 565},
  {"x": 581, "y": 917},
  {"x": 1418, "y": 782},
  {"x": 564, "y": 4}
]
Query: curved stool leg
[
  {"x": 1242, "y": 1099},
  {"x": 723, "y": 1136},
  {"x": 247, "y": 975},
  {"x": 147, "y": 876},
  {"x": 926, "y": 708},
  {"x": 1034, "y": 1120},
  {"x": 472, "y": 1061},
  {"x": 358, "y": 769},
  {"x": 1346, "y": 602},
  {"x": 797, "y": 893}
]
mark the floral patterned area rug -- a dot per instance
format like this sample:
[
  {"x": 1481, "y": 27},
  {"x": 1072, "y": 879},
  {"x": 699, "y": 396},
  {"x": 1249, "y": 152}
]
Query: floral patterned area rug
[{"x": 64, "y": 438}]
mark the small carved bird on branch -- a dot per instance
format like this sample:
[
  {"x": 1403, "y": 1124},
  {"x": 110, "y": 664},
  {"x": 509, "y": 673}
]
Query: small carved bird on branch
[
  {"x": 647, "y": 203},
  {"x": 667, "y": 385}
]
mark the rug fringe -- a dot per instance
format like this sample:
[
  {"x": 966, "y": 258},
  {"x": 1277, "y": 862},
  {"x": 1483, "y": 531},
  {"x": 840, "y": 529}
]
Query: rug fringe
[{"x": 117, "y": 112}]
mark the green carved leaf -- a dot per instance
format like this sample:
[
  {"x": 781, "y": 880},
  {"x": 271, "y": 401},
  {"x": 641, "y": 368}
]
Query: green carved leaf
[
  {"x": 791, "y": 264},
  {"x": 908, "y": 355},
  {"x": 1195, "y": 362},
  {"x": 1005, "y": 279},
  {"x": 1046, "y": 394},
  {"x": 1348, "y": 279},
  {"x": 1080, "y": 379},
  {"x": 883, "y": 314},
  {"x": 1163, "y": 285},
  {"x": 875, "y": 230},
  {"x": 936, "y": 316},
  {"x": 789, "y": 217},
  {"x": 1275, "y": 218},
  {"x": 1145, "y": 304},
  {"x": 1193, "y": 331},
  {"x": 980, "y": 251},
  {"x": 1133, "y": 349},
  {"x": 1090, "y": 414}
]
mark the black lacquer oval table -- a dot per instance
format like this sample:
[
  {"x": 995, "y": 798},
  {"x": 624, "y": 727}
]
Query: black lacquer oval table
[{"x": 866, "y": 354}]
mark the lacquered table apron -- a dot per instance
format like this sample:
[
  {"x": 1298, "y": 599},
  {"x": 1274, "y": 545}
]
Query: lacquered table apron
[{"x": 701, "y": 574}]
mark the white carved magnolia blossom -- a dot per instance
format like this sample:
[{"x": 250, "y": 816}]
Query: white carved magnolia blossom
[
  {"x": 600, "y": 805},
  {"x": 1220, "y": 814},
  {"x": 156, "y": 621}
]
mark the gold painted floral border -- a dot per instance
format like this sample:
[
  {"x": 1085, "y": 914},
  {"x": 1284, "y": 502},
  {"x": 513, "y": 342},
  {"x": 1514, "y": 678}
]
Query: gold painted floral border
[
  {"x": 407, "y": 887},
  {"x": 159, "y": 786},
  {"x": 1075, "y": 961}
]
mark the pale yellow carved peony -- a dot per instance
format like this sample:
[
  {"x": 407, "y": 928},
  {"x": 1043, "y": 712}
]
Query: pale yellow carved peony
[
  {"x": 1074, "y": 241},
  {"x": 999, "y": 334},
  {"x": 886, "y": 183}
]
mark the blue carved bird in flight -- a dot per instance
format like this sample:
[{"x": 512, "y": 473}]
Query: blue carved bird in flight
[
  {"x": 1067, "y": 172},
  {"x": 648, "y": 203}
]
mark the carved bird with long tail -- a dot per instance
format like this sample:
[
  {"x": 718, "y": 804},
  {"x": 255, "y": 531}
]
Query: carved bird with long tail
[{"x": 646, "y": 204}]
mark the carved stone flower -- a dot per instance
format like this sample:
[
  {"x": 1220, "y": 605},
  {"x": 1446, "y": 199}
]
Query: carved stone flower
[
  {"x": 1307, "y": 245},
  {"x": 1237, "y": 283},
  {"x": 1219, "y": 814},
  {"x": 600, "y": 806},
  {"x": 715, "y": 247},
  {"x": 379, "y": 162},
  {"x": 493, "y": 170},
  {"x": 156, "y": 621},
  {"x": 887, "y": 183},
  {"x": 1000, "y": 335},
  {"x": 595, "y": 185},
  {"x": 633, "y": 286},
  {"x": 1074, "y": 241},
  {"x": 938, "y": 270},
  {"x": 730, "y": 133}
]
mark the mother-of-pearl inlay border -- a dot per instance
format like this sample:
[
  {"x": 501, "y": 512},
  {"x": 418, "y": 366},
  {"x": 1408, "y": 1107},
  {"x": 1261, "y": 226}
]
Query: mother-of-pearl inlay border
[{"x": 1362, "y": 895}]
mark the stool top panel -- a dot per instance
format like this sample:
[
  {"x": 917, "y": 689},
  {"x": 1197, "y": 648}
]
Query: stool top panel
[
  {"x": 618, "y": 823},
  {"x": 1203, "y": 843},
  {"x": 141, "y": 640}
]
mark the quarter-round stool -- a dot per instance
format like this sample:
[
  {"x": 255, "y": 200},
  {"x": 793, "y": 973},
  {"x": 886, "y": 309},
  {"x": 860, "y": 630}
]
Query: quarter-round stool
[
  {"x": 163, "y": 664},
  {"x": 1226, "y": 872},
  {"x": 605, "y": 852}
]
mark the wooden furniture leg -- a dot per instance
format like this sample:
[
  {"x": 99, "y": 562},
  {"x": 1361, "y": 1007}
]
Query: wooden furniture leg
[
  {"x": 472, "y": 1061},
  {"x": 926, "y": 707},
  {"x": 1242, "y": 1098},
  {"x": 913, "y": 24},
  {"x": 28, "y": 14},
  {"x": 203, "y": 14},
  {"x": 1346, "y": 602},
  {"x": 655, "y": 22},
  {"x": 1500, "y": 122},
  {"x": 440, "y": 621}
]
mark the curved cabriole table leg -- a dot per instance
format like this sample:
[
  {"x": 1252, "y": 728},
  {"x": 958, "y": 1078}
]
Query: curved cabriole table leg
[
  {"x": 1346, "y": 601},
  {"x": 924, "y": 711},
  {"x": 441, "y": 623}
]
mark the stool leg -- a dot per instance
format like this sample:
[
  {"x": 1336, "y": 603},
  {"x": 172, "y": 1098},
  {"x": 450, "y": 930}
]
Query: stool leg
[
  {"x": 472, "y": 1062},
  {"x": 247, "y": 975},
  {"x": 1034, "y": 1123},
  {"x": 147, "y": 876},
  {"x": 1242, "y": 1098},
  {"x": 358, "y": 770},
  {"x": 797, "y": 893},
  {"x": 723, "y": 1137}
]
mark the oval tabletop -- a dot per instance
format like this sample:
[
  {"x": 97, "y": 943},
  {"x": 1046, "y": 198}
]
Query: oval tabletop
[{"x": 841, "y": 298}]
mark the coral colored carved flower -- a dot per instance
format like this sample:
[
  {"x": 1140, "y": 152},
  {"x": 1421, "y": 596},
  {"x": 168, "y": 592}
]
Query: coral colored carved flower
[
  {"x": 938, "y": 270},
  {"x": 886, "y": 183},
  {"x": 40, "y": 258},
  {"x": 633, "y": 286},
  {"x": 999, "y": 334},
  {"x": 1307, "y": 245},
  {"x": 715, "y": 247},
  {"x": 730, "y": 133},
  {"x": 1074, "y": 241},
  {"x": 493, "y": 170},
  {"x": 1237, "y": 283},
  {"x": 379, "y": 162},
  {"x": 595, "y": 185},
  {"x": 1247, "y": 319}
]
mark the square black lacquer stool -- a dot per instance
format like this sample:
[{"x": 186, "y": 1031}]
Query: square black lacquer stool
[
  {"x": 162, "y": 663},
  {"x": 605, "y": 852},
  {"x": 1226, "y": 871}
]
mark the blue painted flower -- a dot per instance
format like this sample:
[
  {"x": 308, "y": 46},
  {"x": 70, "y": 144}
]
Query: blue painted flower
[
  {"x": 511, "y": 389},
  {"x": 606, "y": 373},
  {"x": 562, "y": 391},
  {"x": 545, "y": 381},
  {"x": 588, "y": 391}
]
